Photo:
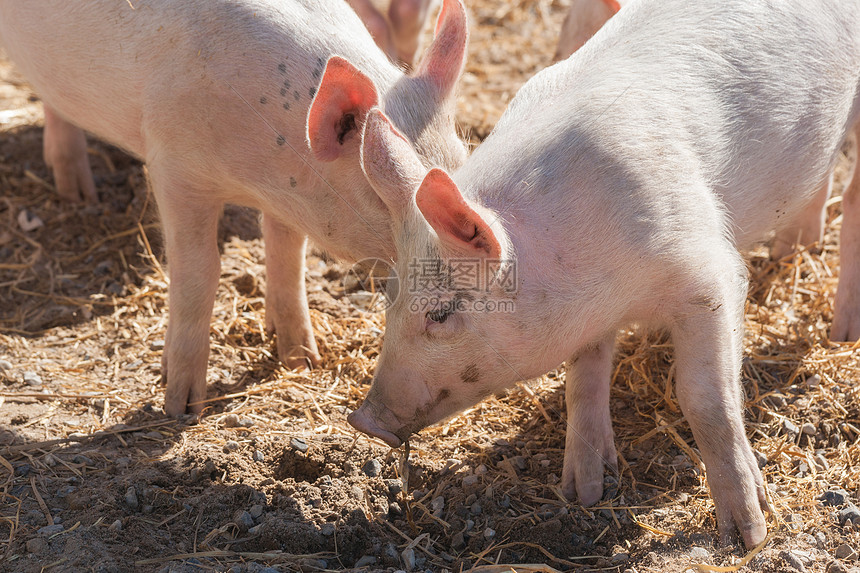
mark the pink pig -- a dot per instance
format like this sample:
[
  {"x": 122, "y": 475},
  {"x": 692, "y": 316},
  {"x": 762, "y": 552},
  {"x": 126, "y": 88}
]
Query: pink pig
[
  {"x": 399, "y": 35},
  {"x": 619, "y": 187},
  {"x": 583, "y": 20},
  {"x": 251, "y": 102}
]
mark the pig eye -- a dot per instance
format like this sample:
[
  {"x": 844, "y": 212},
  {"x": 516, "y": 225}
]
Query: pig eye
[{"x": 439, "y": 315}]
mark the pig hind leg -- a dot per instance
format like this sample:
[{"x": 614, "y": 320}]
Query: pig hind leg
[
  {"x": 65, "y": 151},
  {"x": 846, "y": 311},
  {"x": 190, "y": 223},
  {"x": 589, "y": 443},
  {"x": 808, "y": 228},
  {"x": 286, "y": 297},
  {"x": 708, "y": 333}
]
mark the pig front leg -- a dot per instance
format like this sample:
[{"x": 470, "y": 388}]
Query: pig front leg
[
  {"x": 286, "y": 296},
  {"x": 808, "y": 228},
  {"x": 590, "y": 442},
  {"x": 65, "y": 152},
  {"x": 708, "y": 334},
  {"x": 407, "y": 20},
  {"x": 190, "y": 224},
  {"x": 846, "y": 307}
]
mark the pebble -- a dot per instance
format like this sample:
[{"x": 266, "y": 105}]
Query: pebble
[
  {"x": 519, "y": 462},
  {"x": 50, "y": 530},
  {"x": 231, "y": 446},
  {"x": 315, "y": 563},
  {"x": 365, "y": 561},
  {"x": 116, "y": 525},
  {"x": 481, "y": 470},
  {"x": 475, "y": 508},
  {"x": 790, "y": 427},
  {"x": 22, "y": 470},
  {"x": 395, "y": 486},
  {"x": 699, "y": 553},
  {"x": 408, "y": 557},
  {"x": 844, "y": 551},
  {"x": 372, "y": 468},
  {"x": 231, "y": 420},
  {"x": 438, "y": 504},
  {"x": 835, "y": 567},
  {"x": 327, "y": 529},
  {"x": 256, "y": 530},
  {"x": 82, "y": 459},
  {"x": 849, "y": 513},
  {"x": 809, "y": 429},
  {"x": 50, "y": 460},
  {"x": 813, "y": 381},
  {"x": 776, "y": 400},
  {"x": 258, "y": 456},
  {"x": 131, "y": 498},
  {"x": 32, "y": 378},
  {"x": 256, "y": 511},
  {"x": 470, "y": 480},
  {"x": 836, "y": 496},
  {"x": 356, "y": 492},
  {"x": 244, "y": 520},
  {"x": 489, "y": 533},
  {"x": 37, "y": 545},
  {"x": 5, "y": 365},
  {"x": 821, "y": 462},
  {"x": 620, "y": 558},
  {"x": 299, "y": 445},
  {"x": 458, "y": 541},
  {"x": 792, "y": 561}
]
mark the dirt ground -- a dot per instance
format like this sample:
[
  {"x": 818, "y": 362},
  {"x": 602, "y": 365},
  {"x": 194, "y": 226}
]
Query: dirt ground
[{"x": 94, "y": 477}]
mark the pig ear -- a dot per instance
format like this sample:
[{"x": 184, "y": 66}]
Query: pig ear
[
  {"x": 389, "y": 162},
  {"x": 443, "y": 63},
  {"x": 342, "y": 100},
  {"x": 453, "y": 219}
]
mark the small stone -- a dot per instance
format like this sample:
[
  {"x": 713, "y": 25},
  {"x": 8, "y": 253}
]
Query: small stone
[
  {"x": 313, "y": 564},
  {"x": 844, "y": 551},
  {"x": 256, "y": 511},
  {"x": 231, "y": 420},
  {"x": 244, "y": 520},
  {"x": 5, "y": 365},
  {"x": 157, "y": 344},
  {"x": 116, "y": 525},
  {"x": 519, "y": 462},
  {"x": 299, "y": 445},
  {"x": 356, "y": 492},
  {"x": 131, "y": 498},
  {"x": 470, "y": 480},
  {"x": 231, "y": 446},
  {"x": 22, "y": 470},
  {"x": 372, "y": 468},
  {"x": 256, "y": 530},
  {"x": 835, "y": 567},
  {"x": 50, "y": 460},
  {"x": 32, "y": 378},
  {"x": 258, "y": 456},
  {"x": 49, "y": 530},
  {"x": 760, "y": 458},
  {"x": 620, "y": 558},
  {"x": 82, "y": 459},
  {"x": 849, "y": 513},
  {"x": 365, "y": 561},
  {"x": 37, "y": 545},
  {"x": 481, "y": 470},
  {"x": 835, "y": 497},
  {"x": 820, "y": 539},
  {"x": 475, "y": 509},
  {"x": 327, "y": 529},
  {"x": 458, "y": 541},
  {"x": 789, "y": 427},
  {"x": 821, "y": 462},
  {"x": 808, "y": 429},
  {"x": 776, "y": 401},
  {"x": 699, "y": 553},
  {"x": 246, "y": 422},
  {"x": 408, "y": 557},
  {"x": 438, "y": 504},
  {"x": 792, "y": 561},
  {"x": 489, "y": 533},
  {"x": 395, "y": 486}
]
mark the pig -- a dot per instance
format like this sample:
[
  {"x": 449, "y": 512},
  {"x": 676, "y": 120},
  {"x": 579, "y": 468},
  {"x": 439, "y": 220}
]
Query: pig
[
  {"x": 399, "y": 35},
  {"x": 582, "y": 21},
  {"x": 252, "y": 102},
  {"x": 619, "y": 187}
]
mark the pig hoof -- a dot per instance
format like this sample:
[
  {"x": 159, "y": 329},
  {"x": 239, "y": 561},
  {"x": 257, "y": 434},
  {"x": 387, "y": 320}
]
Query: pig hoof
[
  {"x": 299, "y": 358},
  {"x": 590, "y": 493}
]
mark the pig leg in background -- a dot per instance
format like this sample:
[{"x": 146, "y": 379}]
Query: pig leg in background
[
  {"x": 590, "y": 442},
  {"x": 65, "y": 152},
  {"x": 189, "y": 218},
  {"x": 808, "y": 228},
  {"x": 286, "y": 296},
  {"x": 846, "y": 307},
  {"x": 407, "y": 19},
  {"x": 375, "y": 24},
  {"x": 708, "y": 335}
]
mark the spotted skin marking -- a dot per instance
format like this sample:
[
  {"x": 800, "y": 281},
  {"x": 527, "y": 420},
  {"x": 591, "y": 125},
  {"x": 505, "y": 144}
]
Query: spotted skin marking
[
  {"x": 312, "y": 92},
  {"x": 280, "y": 140},
  {"x": 282, "y": 68},
  {"x": 471, "y": 374},
  {"x": 287, "y": 105},
  {"x": 283, "y": 91},
  {"x": 296, "y": 95},
  {"x": 286, "y": 84},
  {"x": 264, "y": 99},
  {"x": 293, "y": 182}
]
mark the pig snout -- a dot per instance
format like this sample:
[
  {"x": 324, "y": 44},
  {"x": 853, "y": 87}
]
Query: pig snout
[{"x": 372, "y": 419}]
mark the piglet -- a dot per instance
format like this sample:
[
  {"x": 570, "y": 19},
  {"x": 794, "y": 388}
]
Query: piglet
[
  {"x": 618, "y": 188},
  {"x": 398, "y": 35},
  {"x": 252, "y": 102}
]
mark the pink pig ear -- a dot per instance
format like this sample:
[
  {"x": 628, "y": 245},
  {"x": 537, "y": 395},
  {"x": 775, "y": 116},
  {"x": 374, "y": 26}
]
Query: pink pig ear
[
  {"x": 389, "y": 162},
  {"x": 443, "y": 63},
  {"x": 343, "y": 98},
  {"x": 453, "y": 219}
]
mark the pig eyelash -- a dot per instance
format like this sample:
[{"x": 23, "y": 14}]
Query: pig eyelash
[{"x": 439, "y": 315}]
